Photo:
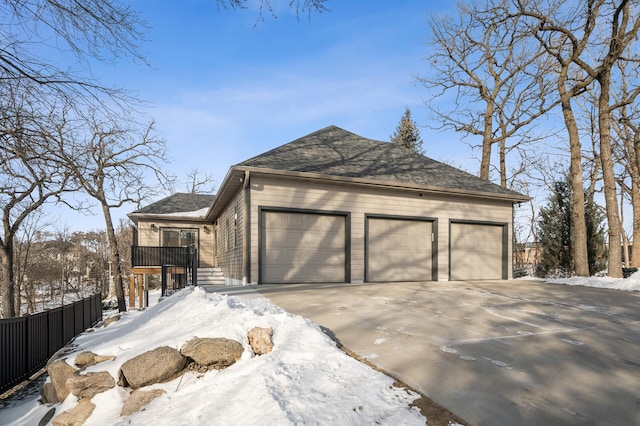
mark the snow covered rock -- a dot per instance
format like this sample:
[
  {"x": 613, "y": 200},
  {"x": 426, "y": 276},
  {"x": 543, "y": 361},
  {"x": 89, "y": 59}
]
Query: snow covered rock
[
  {"x": 155, "y": 366},
  {"x": 111, "y": 320},
  {"x": 217, "y": 352},
  {"x": 77, "y": 415},
  {"x": 87, "y": 358},
  {"x": 59, "y": 372},
  {"x": 90, "y": 384},
  {"x": 260, "y": 340},
  {"x": 138, "y": 399}
]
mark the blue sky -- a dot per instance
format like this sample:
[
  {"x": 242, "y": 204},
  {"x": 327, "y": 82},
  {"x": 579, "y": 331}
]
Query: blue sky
[{"x": 224, "y": 87}]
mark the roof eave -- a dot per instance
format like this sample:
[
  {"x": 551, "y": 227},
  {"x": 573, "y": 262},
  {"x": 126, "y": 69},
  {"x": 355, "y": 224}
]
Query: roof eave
[{"x": 518, "y": 198}]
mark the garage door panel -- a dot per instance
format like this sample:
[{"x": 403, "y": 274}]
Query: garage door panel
[
  {"x": 303, "y": 247},
  {"x": 399, "y": 250},
  {"x": 476, "y": 251}
]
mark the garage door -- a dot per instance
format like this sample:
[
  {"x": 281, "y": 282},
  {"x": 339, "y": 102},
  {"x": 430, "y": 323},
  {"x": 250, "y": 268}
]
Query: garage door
[
  {"x": 302, "y": 247},
  {"x": 477, "y": 251},
  {"x": 398, "y": 250}
]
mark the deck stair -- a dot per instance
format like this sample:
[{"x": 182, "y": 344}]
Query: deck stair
[{"x": 210, "y": 276}]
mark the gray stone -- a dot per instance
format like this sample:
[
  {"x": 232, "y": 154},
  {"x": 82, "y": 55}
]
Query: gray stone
[
  {"x": 59, "y": 372},
  {"x": 138, "y": 399},
  {"x": 217, "y": 352},
  {"x": 111, "y": 320},
  {"x": 260, "y": 340},
  {"x": 85, "y": 359},
  {"x": 155, "y": 366},
  {"x": 90, "y": 384},
  {"x": 77, "y": 415}
]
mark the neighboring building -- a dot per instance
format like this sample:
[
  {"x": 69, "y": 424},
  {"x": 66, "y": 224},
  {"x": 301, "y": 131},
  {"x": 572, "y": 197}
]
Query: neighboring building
[{"x": 333, "y": 206}]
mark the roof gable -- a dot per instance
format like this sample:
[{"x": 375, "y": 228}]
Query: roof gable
[{"x": 337, "y": 152}]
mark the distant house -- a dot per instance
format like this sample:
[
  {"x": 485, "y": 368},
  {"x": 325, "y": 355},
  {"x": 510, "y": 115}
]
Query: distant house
[{"x": 333, "y": 206}]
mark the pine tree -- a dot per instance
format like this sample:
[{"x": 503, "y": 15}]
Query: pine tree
[
  {"x": 407, "y": 135},
  {"x": 555, "y": 234},
  {"x": 596, "y": 247}
]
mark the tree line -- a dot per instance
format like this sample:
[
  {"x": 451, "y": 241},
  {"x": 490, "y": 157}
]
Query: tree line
[{"x": 547, "y": 86}]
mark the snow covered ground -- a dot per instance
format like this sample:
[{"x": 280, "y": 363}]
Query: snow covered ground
[
  {"x": 627, "y": 284},
  {"x": 306, "y": 379}
]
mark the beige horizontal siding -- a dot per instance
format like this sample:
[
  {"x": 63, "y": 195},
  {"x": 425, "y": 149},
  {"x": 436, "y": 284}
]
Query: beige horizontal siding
[
  {"x": 230, "y": 231},
  {"x": 268, "y": 192}
]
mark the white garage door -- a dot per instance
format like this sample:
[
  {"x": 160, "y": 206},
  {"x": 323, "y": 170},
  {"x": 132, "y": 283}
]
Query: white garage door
[
  {"x": 302, "y": 247},
  {"x": 477, "y": 251},
  {"x": 398, "y": 250}
]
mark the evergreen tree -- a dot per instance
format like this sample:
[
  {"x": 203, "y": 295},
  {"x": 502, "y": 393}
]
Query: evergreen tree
[
  {"x": 555, "y": 234},
  {"x": 407, "y": 135},
  {"x": 596, "y": 247}
]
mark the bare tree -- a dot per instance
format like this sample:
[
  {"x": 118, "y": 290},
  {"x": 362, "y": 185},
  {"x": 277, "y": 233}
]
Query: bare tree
[
  {"x": 307, "y": 7},
  {"x": 590, "y": 38},
  {"x": 112, "y": 162},
  {"x": 497, "y": 80},
  {"x": 627, "y": 129},
  {"x": 30, "y": 176}
]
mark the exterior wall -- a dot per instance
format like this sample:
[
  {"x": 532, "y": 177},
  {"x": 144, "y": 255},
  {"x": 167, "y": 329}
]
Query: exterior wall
[
  {"x": 268, "y": 192},
  {"x": 151, "y": 237},
  {"x": 229, "y": 239}
]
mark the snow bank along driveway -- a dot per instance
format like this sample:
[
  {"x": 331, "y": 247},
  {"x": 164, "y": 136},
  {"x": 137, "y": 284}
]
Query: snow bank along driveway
[{"x": 494, "y": 353}]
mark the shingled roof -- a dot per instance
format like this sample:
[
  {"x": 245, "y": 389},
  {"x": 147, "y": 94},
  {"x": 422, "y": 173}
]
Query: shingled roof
[
  {"x": 333, "y": 151},
  {"x": 179, "y": 202}
]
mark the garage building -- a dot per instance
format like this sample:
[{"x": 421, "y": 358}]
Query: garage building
[{"x": 335, "y": 207}]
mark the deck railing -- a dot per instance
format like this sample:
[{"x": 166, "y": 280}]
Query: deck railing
[
  {"x": 179, "y": 261},
  {"x": 160, "y": 256}
]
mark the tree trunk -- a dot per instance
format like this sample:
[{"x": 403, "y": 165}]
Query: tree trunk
[
  {"x": 503, "y": 163},
  {"x": 487, "y": 140},
  {"x": 610, "y": 192},
  {"x": 579, "y": 225},
  {"x": 8, "y": 283},
  {"x": 635, "y": 204},
  {"x": 115, "y": 258}
]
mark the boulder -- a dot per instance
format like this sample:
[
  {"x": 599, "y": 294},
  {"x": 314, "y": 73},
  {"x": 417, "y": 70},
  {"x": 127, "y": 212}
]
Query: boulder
[
  {"x": 85, "y": 359},
  {"x": 90, "y": 384},
  {"x": 138, "y": 399},
  {"x": 48, "y": 394},
  {"x": 155, "y": 366},
  {"x": 260, "y": 340},
  {"x": 59, "y": 372},
  {"x": 111, "y": 320},
  {"x": 77, "y": 415},
  {"x": 217, "y": 352}
]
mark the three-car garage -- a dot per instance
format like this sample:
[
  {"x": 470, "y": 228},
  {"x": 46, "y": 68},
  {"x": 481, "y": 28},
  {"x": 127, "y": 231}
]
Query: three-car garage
[{"x": 305, "y": 246}]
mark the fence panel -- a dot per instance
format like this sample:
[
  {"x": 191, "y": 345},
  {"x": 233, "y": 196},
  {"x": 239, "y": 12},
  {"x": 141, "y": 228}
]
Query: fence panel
[
  {"x": 37, "y": 341},
  {"x": 13, "y": 351},
  {"x": 26, "y": 343},
  {"x": 86, "y": 311},
  {"x": 78, "y": 317},
  {"x": 56, "y": 332},
  {"x": 68, "y": 323}
]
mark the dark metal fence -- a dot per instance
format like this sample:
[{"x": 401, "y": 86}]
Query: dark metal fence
[{"x": 27, "y": 343}]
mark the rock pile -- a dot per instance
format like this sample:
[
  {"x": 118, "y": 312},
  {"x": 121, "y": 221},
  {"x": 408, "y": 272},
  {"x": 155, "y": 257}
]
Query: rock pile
[{"x": 155, "y": 366}]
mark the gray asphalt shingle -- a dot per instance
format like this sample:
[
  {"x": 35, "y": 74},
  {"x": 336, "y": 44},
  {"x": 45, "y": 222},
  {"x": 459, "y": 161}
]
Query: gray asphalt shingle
[
  {"x": 178, "y": 203},
  {"x": 337, "y": 152}
]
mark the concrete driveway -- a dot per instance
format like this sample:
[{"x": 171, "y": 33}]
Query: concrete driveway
[{"x": 492, "y": 352}]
